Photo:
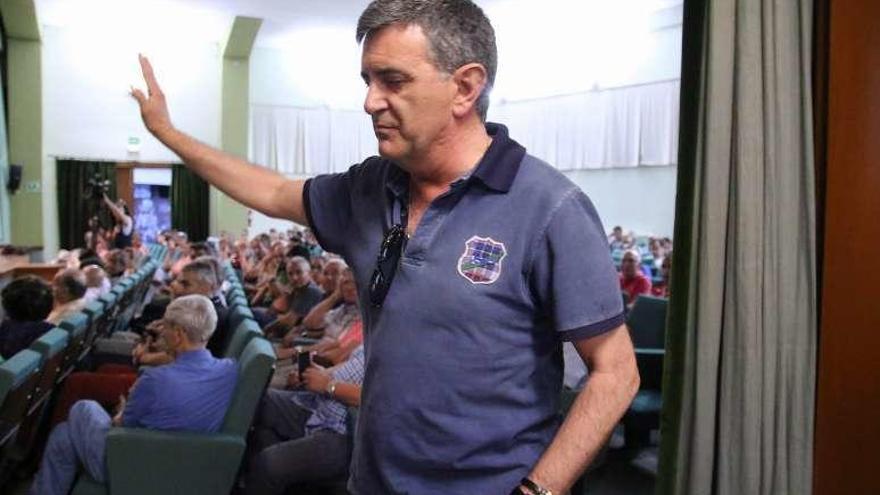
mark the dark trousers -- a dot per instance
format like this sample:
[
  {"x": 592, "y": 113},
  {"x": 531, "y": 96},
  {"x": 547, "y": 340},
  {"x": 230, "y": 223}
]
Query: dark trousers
[{"x": 285, "y": 455}]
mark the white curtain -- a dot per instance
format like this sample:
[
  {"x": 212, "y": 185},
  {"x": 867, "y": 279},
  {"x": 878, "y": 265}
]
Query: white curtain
[
  {"x": 309, "y": 141},
  {"x": 620, "y": 127}
]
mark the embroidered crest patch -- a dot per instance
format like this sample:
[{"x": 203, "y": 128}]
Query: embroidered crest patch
[{"x": 481, "y": 261}]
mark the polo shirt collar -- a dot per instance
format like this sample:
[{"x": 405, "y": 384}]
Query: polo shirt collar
[
  {"x": 496, "y": 170},
  {"x": 499, "y": 166},
  {"x": 193, "y": 356}
]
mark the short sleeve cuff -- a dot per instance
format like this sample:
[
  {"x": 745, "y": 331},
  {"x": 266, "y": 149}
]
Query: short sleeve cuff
[
  {"x": 307, "y": 206},
  {"x": 593, "y": 329}
]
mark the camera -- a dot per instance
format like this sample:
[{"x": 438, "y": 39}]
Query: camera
[{"x": 97, "y": 186}]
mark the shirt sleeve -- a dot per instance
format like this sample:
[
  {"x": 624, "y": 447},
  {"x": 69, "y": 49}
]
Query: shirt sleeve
[
  {"x": 328, "y": 201},
  {"x": 139, "y": 401},
  {"x": 572, "y": 276}
]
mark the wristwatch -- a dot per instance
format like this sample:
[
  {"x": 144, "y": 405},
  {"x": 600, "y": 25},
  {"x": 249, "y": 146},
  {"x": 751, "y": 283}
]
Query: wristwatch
[
  {"x": 535, "y": 488},
  {"x": 331, "y": 388}
]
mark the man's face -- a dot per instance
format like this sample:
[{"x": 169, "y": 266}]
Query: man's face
[
  {"x": 332, "y": 271},
  {"x": 188, "y": 283},
  {"x": 408, "y": 97},
  {"x": 348, "y": 287},
  {"x": 297, "y": 275},
  {"x": 629, "y": 265}
]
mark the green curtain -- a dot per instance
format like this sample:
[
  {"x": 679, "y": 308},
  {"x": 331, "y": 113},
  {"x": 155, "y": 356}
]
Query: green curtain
[
  {"x": 189, "y": 203},
  {"x": 75, "y": 204}
]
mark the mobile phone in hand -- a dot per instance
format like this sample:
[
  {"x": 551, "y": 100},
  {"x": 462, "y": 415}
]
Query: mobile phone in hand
[{"x": 303, "y": 361}]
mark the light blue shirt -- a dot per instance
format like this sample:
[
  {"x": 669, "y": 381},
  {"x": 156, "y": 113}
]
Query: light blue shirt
[{"x": 190, "y": 394}]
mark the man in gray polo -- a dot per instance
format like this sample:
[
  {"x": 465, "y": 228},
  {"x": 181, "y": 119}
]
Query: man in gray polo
[{"x": 474, "y": 260}]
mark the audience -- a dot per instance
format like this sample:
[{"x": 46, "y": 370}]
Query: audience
[
  {"x": 660, "y": 288},
  {"x": 190, "y": 394},
  {"x": 633, "y": 282},
  {"x": 300, "y": 296},
  {"x": 27, "y": 302},
  {"x": 69, "y": 290},
  {"x": 97, "y": 283}
]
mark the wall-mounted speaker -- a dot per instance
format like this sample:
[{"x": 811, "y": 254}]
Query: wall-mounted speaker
[{"x": 14, "y": 181}]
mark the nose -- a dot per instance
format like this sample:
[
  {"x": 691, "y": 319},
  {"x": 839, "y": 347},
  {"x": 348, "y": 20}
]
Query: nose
[{"x": 375, "y": 100}]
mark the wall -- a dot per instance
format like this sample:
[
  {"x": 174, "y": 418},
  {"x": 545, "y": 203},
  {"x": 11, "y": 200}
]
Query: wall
[
  {"x": 639, "y": 199},
  {"x": 88, "y": 114},
  {"x": 847, "y": 431}
]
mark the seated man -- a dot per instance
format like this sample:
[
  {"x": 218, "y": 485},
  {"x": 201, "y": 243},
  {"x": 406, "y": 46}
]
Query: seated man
[
  {"x": 27, "y": 301},
  {"x": 302, "y": 435},
  {"x": 69, "y": 290},
  {"x": 97, "y": 283},
  {"x": 633, "y": 282},
  {"x": 190, "y": 394},
  {"x": 200, "y": 277},
  {"x": 302, "y": 296},
  {"x": 339, "y": 318}
]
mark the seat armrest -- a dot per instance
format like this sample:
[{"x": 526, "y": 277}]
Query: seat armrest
[{"x": 141, "y": 461}]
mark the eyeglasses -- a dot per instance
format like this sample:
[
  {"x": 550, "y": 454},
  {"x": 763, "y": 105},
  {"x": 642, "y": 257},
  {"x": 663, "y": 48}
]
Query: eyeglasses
[{"x": 386, "y": 264}]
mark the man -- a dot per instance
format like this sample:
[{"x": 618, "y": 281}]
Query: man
[
  {"x": 97, "y": 283},
  {"x": 303, "y": 295},
  {"x": 69, "y": 290},
  {"x": 191, "y": 394},
  {"x": 302, "y": 435},
  {"x": 27, "y": 301},
  {"x": 464, "y": 310},
  {"x": 633, "y": 282},
  {"x": 124, "y": 228},
  {"x": 199, "y": 277}
]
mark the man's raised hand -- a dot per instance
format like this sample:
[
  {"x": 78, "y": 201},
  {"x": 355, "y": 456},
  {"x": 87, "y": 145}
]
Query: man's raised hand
[{"x": 154, "y": 109}]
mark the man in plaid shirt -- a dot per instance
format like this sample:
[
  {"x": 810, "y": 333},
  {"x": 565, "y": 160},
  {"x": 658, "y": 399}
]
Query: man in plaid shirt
[{"x": 302, "y": 435}]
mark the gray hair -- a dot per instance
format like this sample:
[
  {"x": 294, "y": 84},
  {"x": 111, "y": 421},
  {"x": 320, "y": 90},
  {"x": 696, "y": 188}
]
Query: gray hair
[
  {"x": 218, "y": 270},
  {"x": 203, "y": 270},
  {"x": 458, "y": 33},
  {"x": 73, "y": 282},
  {"x": 195, "y": 314},
  {"x": 302, "y": 262}
]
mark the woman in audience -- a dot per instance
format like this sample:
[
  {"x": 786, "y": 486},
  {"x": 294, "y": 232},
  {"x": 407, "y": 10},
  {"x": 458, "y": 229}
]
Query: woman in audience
[
  {"x": 661, "y": 288},
  {"x": 27, "y": 301}
]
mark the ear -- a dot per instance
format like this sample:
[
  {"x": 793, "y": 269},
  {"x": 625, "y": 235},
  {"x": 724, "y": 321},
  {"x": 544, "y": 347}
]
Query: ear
[{"x": 470, "y": 79}]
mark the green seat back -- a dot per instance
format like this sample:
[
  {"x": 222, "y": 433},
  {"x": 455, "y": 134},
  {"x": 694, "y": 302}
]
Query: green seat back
[
  {"x": 241, "y": 336},
  {"x": 256, "y": 365},
  {"x": 647, "y": 322}
]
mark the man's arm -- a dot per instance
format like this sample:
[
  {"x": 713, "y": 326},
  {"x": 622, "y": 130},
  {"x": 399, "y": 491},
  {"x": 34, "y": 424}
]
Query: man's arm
[
  {"x": 613, "y": 382},
  {"x": 255, "y": 187},
  {"x": 115, "y": 210}
]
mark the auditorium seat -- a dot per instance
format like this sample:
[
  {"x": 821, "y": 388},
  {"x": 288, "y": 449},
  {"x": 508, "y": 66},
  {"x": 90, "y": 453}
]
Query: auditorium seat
[
  {"x": 144, "y": 462},
  {"x": 647, "y": 324},
  {"x": 19, "y": 376},
  {"x": 241, "y": 337}
]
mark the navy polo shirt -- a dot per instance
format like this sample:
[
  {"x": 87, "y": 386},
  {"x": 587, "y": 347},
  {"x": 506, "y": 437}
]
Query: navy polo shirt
[{"x": 464, "y": 360}]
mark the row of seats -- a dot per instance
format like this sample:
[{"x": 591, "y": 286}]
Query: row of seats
[
  {"x": 30, "y": 377},
  {"x": 142, "y": 461},
  {"x": 647, "y": 324}
]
